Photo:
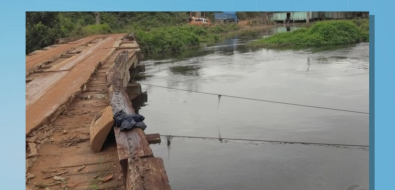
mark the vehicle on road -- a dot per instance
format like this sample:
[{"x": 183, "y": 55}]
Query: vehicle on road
[{"x": 196, "y": 19}]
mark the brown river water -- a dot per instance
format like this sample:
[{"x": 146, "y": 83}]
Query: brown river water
[{"x": 334, "y": 77}]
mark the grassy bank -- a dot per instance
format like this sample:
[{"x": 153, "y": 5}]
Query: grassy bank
[
  {"x": 320, "y": 34},
  {"x": 159, "y": 32},
  {"x": 43, "y": 28},
  {"x": 177, "y": 38}
]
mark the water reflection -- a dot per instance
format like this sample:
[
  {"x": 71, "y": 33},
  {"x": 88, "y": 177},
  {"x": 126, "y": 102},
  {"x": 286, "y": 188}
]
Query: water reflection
[
  {"x": 190, "y": 70},
  {"x": 335, "y": 76}
]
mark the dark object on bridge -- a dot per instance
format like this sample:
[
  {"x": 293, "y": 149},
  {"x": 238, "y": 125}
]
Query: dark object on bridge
[
  {"x": 128, "y": 121},
  {"x": 130, "y": 36}
]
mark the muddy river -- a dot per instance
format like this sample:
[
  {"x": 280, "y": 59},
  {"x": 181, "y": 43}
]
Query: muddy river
[{"x": 334, "y": 77}]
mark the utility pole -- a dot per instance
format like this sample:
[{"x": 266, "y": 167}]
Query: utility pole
[
  {"x": 97, "y": 17},
  {"x": 308, "y": 17}
]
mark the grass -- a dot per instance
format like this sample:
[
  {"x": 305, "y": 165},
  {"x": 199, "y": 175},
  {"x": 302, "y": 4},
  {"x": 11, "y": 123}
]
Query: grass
[
  {"x": 178, "y": 38},
  {"x": 320, "y": 34}
]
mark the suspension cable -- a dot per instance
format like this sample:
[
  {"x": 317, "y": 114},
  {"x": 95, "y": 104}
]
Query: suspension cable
[
  {"x": 271, "y": 141},
  {"x": 261, "y": 100}
]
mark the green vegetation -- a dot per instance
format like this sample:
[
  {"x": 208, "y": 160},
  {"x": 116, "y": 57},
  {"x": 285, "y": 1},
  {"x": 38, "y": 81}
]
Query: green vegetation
[
  {"x": 164, "y": 32},
  {"x": 320, "y": 34},
  {"x": 158, "y": 32},
  {"x": 177, "y": 38},
  {"x": 168, "y": 39},
  {"x": 43, "y": 28}
]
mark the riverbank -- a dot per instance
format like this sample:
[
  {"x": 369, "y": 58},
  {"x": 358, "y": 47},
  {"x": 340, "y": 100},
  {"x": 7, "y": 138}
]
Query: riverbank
[
  {"x": 44, "y": 28},
  {"x": 175, "y": 39},
  {"x": 322, "y": 33}
]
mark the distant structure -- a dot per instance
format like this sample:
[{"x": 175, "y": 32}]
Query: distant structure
[
  {"x": 97, "y": 17},
  {"x": 223, "y": 17},
  {"x": 289, "y": 17}
]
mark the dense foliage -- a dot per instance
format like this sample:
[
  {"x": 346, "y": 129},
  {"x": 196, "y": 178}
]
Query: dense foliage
[
  {"x": 320, "y": 34},
  {"x": 162, "y": 32},
  {"x": 43, "y": 28},
  {"x": 157, "y": 30},
  {"x": 176, "y": 38}
]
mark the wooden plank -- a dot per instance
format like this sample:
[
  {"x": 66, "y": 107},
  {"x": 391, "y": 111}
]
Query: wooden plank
[
  {"x": 129, "y": 45},
  {"x": 70, "y": 63},
  {"x": 155, "y": 177},
  {"x": 132, "y": 61},
  {"x": 100, "y": 127},
  {"x": 35, "y": 60},
  {"x": 126, "y": 79},
  {"x": 133, "y": 89},
  {"x": 140, "y": 169},
  {"x": 135, "y": 137},
  {"x": 153, "y": 138},
  {"x": 41, "y": 109}
]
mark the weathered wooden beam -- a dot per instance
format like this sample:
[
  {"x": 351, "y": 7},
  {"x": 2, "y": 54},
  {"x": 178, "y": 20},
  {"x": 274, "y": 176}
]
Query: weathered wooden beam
[
  {"x": 131, "y": 143},
  {"x": 153, "y": 138},
  {"x": 133, "y": 89},
  {"x": 155, "y": 177},
  {"x": 100, "y": 127},
  {"x": 133, "y": 148},
  {"x": 138, "y": 69}
]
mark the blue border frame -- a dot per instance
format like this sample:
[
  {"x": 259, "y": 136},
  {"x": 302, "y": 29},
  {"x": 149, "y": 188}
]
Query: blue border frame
[{"x": 382, "y": 77}]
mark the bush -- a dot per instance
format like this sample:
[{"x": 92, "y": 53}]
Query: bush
[
  {"x": 43, "y": 28},
  {"x": 320, "y": 34},
  {"x": 177, "y": 38},
  {"x": 221, "y": 28},
  {"x": 40, "y": 35},
  {"x": 167, "y": 39},
  {"x": 96, "y": 29}
]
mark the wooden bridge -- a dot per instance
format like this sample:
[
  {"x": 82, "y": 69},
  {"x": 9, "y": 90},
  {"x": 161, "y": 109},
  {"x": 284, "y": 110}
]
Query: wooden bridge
[{"x": 72, "y": 91}]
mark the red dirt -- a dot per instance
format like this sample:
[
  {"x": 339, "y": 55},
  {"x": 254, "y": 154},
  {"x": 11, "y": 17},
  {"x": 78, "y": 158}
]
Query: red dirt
[
  {"x": 64, "y": 145},
  {"x": 52, "y": 90}
]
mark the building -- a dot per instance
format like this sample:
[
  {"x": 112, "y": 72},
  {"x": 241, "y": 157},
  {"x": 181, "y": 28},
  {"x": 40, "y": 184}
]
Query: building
[{"x": 287, "y": 17}]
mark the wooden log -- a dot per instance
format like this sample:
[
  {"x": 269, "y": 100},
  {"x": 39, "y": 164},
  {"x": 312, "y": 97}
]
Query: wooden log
[
  {"x": 155, "y": 177},
  {"x": 100, "y": 127},
  {"x": 126, "y": 79},
  {"x": 133, "y": 61},
  {"x": 132, "y": 145},
  {"x": 129, "y": 45},
  {"x": 133, "y": 89},
  {"x": 153, "y": 138}
]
